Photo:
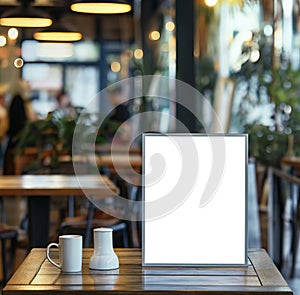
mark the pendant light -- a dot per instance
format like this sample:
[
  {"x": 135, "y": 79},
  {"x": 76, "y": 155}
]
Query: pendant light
[
  {"x": 101, "y": 6},
  {"x": 58, "y": 32},
  {"x": 25, "y": 16}
]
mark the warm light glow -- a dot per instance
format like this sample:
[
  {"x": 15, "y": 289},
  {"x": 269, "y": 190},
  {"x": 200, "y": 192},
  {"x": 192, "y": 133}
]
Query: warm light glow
[
  {"x": 173, "y": 54},
  {"x": 58, "y": 50},
  {"x": 101, "y": 8},
  {"x": 13, "y": 33},
  {"x": 170, "y": 26},
  {"x": 254, "y": 56},
  {"x": 25, "y": 22},
  {"x": 138, "y": 53},
  {"x": 18, "y": 63},
  {"x": 58, "y": 36},
  {"x": 2, "y": 41},
  {"x": 210, "y": 3},
  {"x": 248, "y": 35},
  {"x": 115, "y": 66},
  {"x": 154, "y": 35}
]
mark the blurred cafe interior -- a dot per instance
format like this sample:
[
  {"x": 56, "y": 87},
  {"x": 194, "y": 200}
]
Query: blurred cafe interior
[{"x": 241, "y": 56}]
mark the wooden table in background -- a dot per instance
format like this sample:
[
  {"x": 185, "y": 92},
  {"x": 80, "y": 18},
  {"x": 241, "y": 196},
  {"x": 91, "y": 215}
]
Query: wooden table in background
[
  {"x": 120, "y": 161},
  {"x": 291, "y": 161},
  {"x": 37, "y": 276},
  {"x": 39, "y": 189},
  {"x": 117, "y": 148}
]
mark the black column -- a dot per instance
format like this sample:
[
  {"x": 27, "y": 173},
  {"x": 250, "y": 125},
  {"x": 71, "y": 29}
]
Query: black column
[
  {"x": 148, "y": 16},
  {"x": 185, "y": 68},
  {"x": 39, "y": 221}
]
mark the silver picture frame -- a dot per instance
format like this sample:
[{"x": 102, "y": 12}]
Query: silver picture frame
[{"x": 207, "y": 226}]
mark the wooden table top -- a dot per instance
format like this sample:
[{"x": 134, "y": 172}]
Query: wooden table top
[
  {"x": 117, "y": 148},
  {"x": 291, "y": 161},
  {"x": 121, "y": 160},
  {"x": 51, "y": 184},
  {"x": 37, "y": 276}
]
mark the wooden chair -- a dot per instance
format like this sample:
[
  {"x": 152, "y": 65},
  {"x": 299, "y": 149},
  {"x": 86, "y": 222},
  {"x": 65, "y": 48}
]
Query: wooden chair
[
  {"x": 286, "y": 194},
  {"x": 84, "y": 226},
  {"x": 8, "y": 238},
  {"x": 125, "y": 233}
]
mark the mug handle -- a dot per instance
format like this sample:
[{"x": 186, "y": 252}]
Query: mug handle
[{"x": 48, "y": 254}]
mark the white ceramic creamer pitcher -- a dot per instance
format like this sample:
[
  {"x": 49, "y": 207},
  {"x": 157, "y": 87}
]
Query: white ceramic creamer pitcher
[{"x": 104, "y": 256}]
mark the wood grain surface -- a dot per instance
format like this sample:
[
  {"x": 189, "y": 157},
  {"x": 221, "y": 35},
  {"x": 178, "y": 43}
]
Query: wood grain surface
[
  {"x": 45, "y": 185},
  {"x": 37, "y": 276}
]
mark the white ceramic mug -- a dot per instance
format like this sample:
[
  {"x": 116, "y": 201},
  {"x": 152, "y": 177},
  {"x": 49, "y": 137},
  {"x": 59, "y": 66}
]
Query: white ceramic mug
[{"x": 70, "y": 253}]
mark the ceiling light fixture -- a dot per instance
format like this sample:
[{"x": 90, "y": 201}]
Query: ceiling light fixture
[
  {"x": 101, "y": 6},
  {"x": 58, "y": 33},
  {"x": 25, "y": 16}
]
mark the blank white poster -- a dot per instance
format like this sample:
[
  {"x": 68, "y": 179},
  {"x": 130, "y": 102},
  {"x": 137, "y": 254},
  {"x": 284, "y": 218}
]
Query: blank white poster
[{"x": 194, "y": 192}]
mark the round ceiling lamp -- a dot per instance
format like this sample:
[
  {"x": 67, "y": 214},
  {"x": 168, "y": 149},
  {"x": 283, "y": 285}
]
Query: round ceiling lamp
[
  {"x": 58, "y": 33},
  {"x": 25, "y": 16},
  {"x": 101, "y": 6}
]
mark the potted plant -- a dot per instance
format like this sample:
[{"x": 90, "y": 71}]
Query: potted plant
[{"x": 52, "y": 137}]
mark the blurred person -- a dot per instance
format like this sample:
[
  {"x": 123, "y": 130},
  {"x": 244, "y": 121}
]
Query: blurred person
[
  {"x": 3, "y": 120},
  {"x": 119, "y": 115},
  {"x": 20, "y": 112},
  {"x": 63, "y": 100},
  {"x": 120, "y": 106},
  {"x": 64, "y": 104}
]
